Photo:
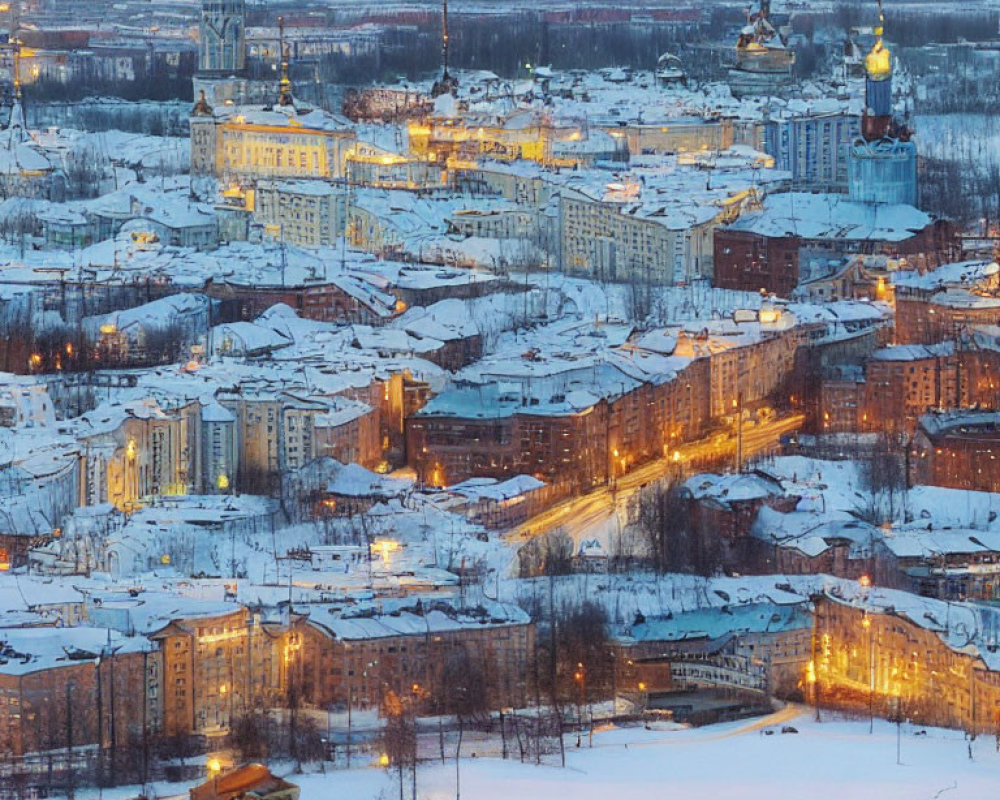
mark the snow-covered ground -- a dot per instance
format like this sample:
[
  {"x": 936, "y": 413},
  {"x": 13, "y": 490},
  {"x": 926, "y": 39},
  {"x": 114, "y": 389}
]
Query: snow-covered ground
[
  {"x": 971, "y": 136},
  {"x": 835, "y": 758}
]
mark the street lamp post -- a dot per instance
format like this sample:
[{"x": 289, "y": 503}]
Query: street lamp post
[
  {"x": 580, "y": 676},
  {"x": 866, "y": 623}
]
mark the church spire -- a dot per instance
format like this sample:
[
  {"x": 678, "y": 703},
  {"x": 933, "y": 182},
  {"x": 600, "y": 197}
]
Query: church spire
[
  {"x": 16, "y": 43},
  {"x": 284, "y": 83}
]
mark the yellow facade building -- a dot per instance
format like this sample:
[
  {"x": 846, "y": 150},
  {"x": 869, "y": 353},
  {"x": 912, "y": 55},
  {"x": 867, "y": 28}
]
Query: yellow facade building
[{"x": 249, "y": 143}]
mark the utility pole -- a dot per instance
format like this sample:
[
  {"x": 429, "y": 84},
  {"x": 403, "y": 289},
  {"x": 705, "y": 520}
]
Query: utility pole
[
  {"x": 739, "y": 430},
  {"x": 70, "y": 790}
]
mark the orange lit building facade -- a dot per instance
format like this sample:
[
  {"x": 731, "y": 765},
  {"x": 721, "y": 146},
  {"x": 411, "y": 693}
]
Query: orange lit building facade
[
  {"x": 879, "y": 659},
  {"x": 957, "y": 450},
  {"x": 216, "y": 669},
  {"x": 582, "y": 448},
  {"x": 356, "y": 661}
]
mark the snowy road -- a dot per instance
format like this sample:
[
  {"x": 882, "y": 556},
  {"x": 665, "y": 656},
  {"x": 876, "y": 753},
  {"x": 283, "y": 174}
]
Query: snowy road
[{"x": 582, "y": 514}]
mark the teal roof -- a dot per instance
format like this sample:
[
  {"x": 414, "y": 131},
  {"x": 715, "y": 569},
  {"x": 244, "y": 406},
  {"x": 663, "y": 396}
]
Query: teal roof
[{"x": 714, "y": 623}]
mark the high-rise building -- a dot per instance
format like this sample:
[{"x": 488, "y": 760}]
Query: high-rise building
[
  {"x": 882, "y": 163},
  {"x": 813, "y": 147},
  {"x": 221, "y": 42}
]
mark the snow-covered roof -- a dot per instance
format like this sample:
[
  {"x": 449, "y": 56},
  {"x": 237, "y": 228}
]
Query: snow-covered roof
[
  {"x": 353, "y": 480},
  {"x": 962, "y": 273},
  {"x": 832, "y": 217},
  {"x": 712, "y": 623},
  {"x": 27, "y": 650},
  {"x": 477, "y": 489}
]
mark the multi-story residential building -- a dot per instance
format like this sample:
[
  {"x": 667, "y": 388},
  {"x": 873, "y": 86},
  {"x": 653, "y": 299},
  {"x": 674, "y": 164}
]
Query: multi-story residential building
[
  {"x": 957, "y": 449},
  {"x": 613, "y": 237},
  {"x": 581, "y": 425},
  {"x": 943, "y": 315},
  {"x": 136, "y": 450},
  {"x": 483, "y": 431},
  {"x": 813, "y": 147},
  {"x": 896, "y": 385},
  {"x": 259, "y": 420},
  {"x": 348, "y": 432},
  {"x": 355, "y": 660},
  {"x": 951, "y": 565},
  {"x": 908, "y": 657},
  {"x": 747, "y": 362},
  {"x": 525, "y": 185},
  {"x": 799, "y": 237},
  {"x": 220, "y": 448},
  {"x": 758, "y": 645},
  {"x": 86, "y": 689},
  {"x": 308, "y": 213},
  {"x": 903, "y": 382},
  {"x": 219, "y": 667}
]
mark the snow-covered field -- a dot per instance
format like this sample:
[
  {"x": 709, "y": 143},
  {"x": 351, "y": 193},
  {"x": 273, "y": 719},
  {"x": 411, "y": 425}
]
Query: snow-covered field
[{"x": 835, "y": 758}]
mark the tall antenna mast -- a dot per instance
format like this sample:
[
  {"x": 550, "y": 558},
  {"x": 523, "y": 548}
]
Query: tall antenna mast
[
  {"x": 447, "y": 84},
  {"x": 444, "y": 37}
]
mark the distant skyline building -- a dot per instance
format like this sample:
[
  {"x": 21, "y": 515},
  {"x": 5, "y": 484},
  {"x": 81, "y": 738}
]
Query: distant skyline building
[
  {"x": 222, "y": 42},
  {"x": 882, "y": 163},
  {"x": 221, "y": 74}
]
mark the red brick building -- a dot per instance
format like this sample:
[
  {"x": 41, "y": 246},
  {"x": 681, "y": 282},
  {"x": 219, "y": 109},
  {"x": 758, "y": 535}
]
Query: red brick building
[
  {"x": 354, "y": 661},
  {"x": 90, "y": 697},
  {"x": 960, "y": 450},
  {"x": 942, "y": 316},
  {"x": 776, "y": 248},
  {"x": 750, "y": 262},
  {"x": 899, "y": 384},
  {"x": 491, "y": 431},
  {"x": 446, "y": 446},
  {"x": 903, "y": 382},
  {"x": 326, "y": 301}
]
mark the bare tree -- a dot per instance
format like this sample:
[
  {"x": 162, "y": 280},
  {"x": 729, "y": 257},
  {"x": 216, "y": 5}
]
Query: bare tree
[
  {"x": 466, "y": 698},
  {"x": 399, "y": 738},
  {"x": 84, "y": 170},
  {"x": 882, "y": 485},
  {"x": 675, "y": 542}
]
